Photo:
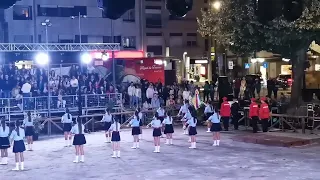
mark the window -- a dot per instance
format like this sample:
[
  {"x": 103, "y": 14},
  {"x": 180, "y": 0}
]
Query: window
[
  {"x": 65, "y": 11},
  {"x": 191, "y": 39},
  {"x": 156, "y": 50},
  {"x": 80, "y": 9},
  {"x": 22, "y": 12},
  {"x": 84, "y": 39},
  {"x": 175, "y": 34},
  {"x": 48, "y": 11},
  {"x": 129, "y": 16},
  {"x": 192, "y": 34},
  {"x": 153, "y": 7},
  {"x": 129, "y": 42},
  {"x": 108, "y": 39},
  {"x": 153, "y": 34},
  {"x": 191, "y": 43},
  {"x": 153, "y": 21},
  {"x": 65, "y": 40}
]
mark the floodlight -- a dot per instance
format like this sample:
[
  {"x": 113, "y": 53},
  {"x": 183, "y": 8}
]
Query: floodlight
[
  {"x": 105, "y": 56},
  {"x": 42, "y": 58},
  {"x": 86, "y": 58}
]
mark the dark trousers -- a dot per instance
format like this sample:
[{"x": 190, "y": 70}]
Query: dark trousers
[
  {"x": 254, "y": 122},
  {"x": 269, "y": 92},
  {"x": 236, "y": 92},
  {"x": 235, "y": 120},
  {"x": 275, "y": 93},
  {"x": 225, "y": 121},
  {"x": 205, "y": 96},
  {"x": 265, "y": 124}
]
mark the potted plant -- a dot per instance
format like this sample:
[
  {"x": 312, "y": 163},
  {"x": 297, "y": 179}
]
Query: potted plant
[{"x": 38, "y": 126}]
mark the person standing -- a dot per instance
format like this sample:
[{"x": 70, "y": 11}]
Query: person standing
[
  {"x": 235, "y": 114},
  {"x": 264, "y": 114},
  {"x": 156, "y": 125},
  {"x": 208, "y": 111},
  {"x": 168, "y": 128},
  {"x": 66, "y": 120},
  {"x": 29, "y": 130},
  {"x": 79, "y": 140},
  {"x": 107, "y": 119},
  {"x": 4, "y": 142},
  {"x": 253, "y": 115},
  {"x": 26, "y": 92},
  {"x": 135, "y": 124},
  {"x": 150, "y": 93},
  {"x": 225, "y": 113},
  {"x": 131, "y": 93},
  {"x": 17, "y": 136},
  {"x": 192, "y": 123},
  {"x": 115, "y": 127},
  {"x": 237, "y": 87},
  {"x": 206, "y": 91},
  {"x": 216, "y": 127}
]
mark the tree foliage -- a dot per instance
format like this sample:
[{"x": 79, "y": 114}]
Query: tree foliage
[{"x": 237, "y": 27}]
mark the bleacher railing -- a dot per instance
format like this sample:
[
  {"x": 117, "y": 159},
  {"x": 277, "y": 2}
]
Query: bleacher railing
[{"x": 17, "y": 106}]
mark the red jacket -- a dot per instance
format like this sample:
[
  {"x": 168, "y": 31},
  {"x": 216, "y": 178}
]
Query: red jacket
[
  {"x": 264, "y": 112},
  {"x": 225, "y": 110},
  {"x": 254, "y": 110}
]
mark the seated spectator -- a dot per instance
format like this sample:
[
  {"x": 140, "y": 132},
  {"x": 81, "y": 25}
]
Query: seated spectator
[
  {"x": 155, "y": 102},
  {"x": 61, "y": 102},
  {"x": 146, "y": 106}
]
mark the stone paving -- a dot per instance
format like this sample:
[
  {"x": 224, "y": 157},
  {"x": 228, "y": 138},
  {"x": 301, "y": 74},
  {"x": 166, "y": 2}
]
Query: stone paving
[{"x": 230, "y": 161}]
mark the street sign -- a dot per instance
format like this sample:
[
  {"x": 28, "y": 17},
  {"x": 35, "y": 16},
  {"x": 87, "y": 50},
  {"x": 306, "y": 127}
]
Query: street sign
[
  {"x": 265, "y": 65},
  {"x": 246, "y": 65},
  {"x": 230, "y": 64}
]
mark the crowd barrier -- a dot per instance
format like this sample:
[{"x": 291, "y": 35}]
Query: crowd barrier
[{"x": 54, "y": 104}]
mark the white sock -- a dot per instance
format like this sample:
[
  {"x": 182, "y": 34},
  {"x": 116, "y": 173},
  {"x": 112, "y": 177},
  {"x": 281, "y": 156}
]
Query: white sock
[
  {"x": 134, "y": 145},
  {"x": 70, "y": 142},
  {"x": 218, "y": 142},
  {"x": 22, "y": 165},
  {"x": 208, "y": 129},
  {"x": 137, "y": 144},
  {"x": 17, "y": 166},
  {"x": 215, "y": 142},
  {"x": 66, "y": 142},
  {"x": 31, "y": 146},
  {"x": 82, "y": 158},
  {"x": 170, "y": 141},
  {"x": 5, "y": 160},
  {"x": 140, "y": 136},
  {"x": 194, "y": 144},
  {"x": 114, "y": 154},
  {"x": 76, "y": 159},
  {"x": 158, "y": 149},
  {"x": 167, "y": 141},
  {"x": 155, "y": 149},
  {"x": 118, "y": 153}
]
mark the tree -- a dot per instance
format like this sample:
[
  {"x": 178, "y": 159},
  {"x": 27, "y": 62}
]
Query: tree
[{"x": 236, "y": 26}]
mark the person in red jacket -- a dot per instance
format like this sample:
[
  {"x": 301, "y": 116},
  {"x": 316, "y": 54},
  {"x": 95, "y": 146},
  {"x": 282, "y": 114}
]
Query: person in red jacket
[
  {"x": 254, "y": 115},
  {"x": 225, "y": 113},
  {"x": 264, "y": 114}
]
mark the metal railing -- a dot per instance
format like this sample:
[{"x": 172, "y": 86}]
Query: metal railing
[{"x": 40, "y": 104}]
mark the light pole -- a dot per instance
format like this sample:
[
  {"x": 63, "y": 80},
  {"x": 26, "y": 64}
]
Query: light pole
[
  {"x": 43, "y": 59},
  {"x": 79, "y": 24},
  {"x": 214, "y": 6}
]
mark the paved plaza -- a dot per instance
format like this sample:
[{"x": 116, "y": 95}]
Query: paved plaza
[{"x": 231, "y": 161}]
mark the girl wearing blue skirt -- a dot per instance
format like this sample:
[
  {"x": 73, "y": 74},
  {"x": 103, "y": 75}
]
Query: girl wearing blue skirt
[
  {"x": 107, "y": 119},
  {"x": 115, "y": 127},
  {"x": 168, "y": 128},
  {"x": 192, "y": 123},
  {"x": 17, "y": 136},
  {"x": 4, "y": 142},
  {"x": 78, "y": 140},
  {"x": 135, "y": 124},
  {"x": 29, "y": 130},
  {"x": 215, "y": 127},
  {"x": 66, "y": 120},
  {"x": 156, "y": 125}
]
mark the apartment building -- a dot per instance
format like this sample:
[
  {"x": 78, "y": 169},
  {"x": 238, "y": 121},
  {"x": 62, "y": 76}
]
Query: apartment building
[
  {"x": 23, "y": 23},
  {"x": 177, "y": 37}
]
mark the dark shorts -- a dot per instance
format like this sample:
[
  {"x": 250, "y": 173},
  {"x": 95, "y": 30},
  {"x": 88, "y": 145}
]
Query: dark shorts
[
  {"x": 135, "y": 131},
  {"x": 67, "y": 127},
  {"x": 215, "y": 127},
  {"x": 29, "y": 130},
  {"x": 168, "y": 129},
  {"x": 115, "y": 136},
  {"x": 107, "y": 126},
  {"x": 192, "y": 131},
  {"x": 156, "y": 132},
  {"x": 79, "y": 139},
  {"x": 4, "y": 143},
  {"x": 18, "y": 146}
]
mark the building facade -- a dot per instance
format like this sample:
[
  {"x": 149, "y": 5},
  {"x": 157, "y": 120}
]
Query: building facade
[{"x": 23, "y": 23}]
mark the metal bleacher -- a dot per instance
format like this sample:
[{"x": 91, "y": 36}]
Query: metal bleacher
[{"x": 10, "y": 107}]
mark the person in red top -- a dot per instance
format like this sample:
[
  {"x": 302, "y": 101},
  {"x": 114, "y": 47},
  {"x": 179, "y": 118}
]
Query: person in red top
[
  {"x": 264, "y": 114},
  {"x": 253, "y": 115},
  {"x": 225, "y": 113}
]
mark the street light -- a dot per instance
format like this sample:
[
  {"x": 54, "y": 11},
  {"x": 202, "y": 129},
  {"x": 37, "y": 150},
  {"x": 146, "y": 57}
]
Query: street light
[
  {"x": 216, "y": 5},
  {"x": 47, "y": 24},
  {"x": 79, "y": 24},
  {"x": 42, "y": 59}
]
